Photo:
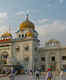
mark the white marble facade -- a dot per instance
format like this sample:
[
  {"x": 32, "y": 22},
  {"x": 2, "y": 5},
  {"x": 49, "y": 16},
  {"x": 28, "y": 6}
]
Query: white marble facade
[
  {"x": 53, "y": 53},
  {"x": 24, "y": 49}
]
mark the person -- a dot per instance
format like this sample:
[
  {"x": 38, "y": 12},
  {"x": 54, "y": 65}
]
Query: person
[
  {"x": 49, "y": 75},
  {"x": 31, "y": 71},
  {"x": 54, "y": 75},
  {"x": 37, "y": 74},
  {"x": 12, "y": 75},
  {"x": 46, "y": 75},
  {"x": 61, "y": 75},
  {"x": 30, "y": 75}
]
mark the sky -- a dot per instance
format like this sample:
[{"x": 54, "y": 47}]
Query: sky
[{"x": 49, "y": 17}]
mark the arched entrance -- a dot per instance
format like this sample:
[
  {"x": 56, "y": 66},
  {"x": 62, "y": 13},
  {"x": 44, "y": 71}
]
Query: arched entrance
[{"x": 4, "y": 57}]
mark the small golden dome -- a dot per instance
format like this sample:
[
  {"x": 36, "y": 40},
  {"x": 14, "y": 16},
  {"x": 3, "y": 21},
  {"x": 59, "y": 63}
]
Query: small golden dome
[
  {"x": 27, "y": 24},
  {"x": 7, "y": 34},
  {"x": 29, "y": 34}
]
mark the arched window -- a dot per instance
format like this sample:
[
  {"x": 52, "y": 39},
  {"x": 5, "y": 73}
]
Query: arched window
[
  {"x": 53, "y": 58},
  {"x": 26, "y": 59},
  {"x": 25, "y": 35},
  {"x": 4, "y": 57},
  {"x": 42, "y": 58},
  {"x": 19, "y": 36},
  {"x": 63, "y": 57},
  {"x": 36, "y": 48},
  {"x": 22, "y": 35},
  {"x": 26, "y": 48},
  {"x": 17, "y": 48}
]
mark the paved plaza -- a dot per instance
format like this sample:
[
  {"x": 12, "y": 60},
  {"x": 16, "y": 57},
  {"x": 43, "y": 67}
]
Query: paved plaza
[{"x": 27, "y": 77}]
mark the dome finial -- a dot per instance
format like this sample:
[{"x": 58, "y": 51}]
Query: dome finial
[{"x": 27, "y": 17}]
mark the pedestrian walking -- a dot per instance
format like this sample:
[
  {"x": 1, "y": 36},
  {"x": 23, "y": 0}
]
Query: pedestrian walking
[
  {"x": 61, "y": 75},
  {"x": 30, "y": 75},
  {"x": 37, "y": 74},
  {"x": 49, "y": 75},
  {"x": 54, "y": 75},
  {"x": 46, "y": 75},
  {"x": 12, "y": 75}
]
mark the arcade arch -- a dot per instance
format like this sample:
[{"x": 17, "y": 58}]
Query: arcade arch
[{"x": 4, "y": 57}]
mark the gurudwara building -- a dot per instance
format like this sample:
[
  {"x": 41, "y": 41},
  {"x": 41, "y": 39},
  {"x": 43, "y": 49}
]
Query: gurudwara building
[
  {"x": 24, "y": 49},
  {"x": 53, "y": 54}
]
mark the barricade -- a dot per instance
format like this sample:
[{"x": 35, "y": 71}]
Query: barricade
[{"x": 3, "y": 77}]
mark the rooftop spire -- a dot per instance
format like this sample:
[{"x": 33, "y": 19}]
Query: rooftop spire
[{"x": 27, "y": 17}]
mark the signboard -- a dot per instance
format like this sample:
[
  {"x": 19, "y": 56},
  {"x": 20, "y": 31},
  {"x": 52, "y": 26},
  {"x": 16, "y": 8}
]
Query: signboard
[{"x": 49, "y": 67}]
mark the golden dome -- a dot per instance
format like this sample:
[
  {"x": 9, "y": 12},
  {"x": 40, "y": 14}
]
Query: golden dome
[
  {"x": 6, "y": 34},
  {"x": 27, "y": 24},
  {"x": 29, "y": 34}
]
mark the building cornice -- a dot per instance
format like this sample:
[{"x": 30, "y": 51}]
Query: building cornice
[{"x": 19, "y": 40}]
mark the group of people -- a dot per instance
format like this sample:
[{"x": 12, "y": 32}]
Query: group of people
[
  {"x": 50, "y": 75},
  {"x": 47, "y": 77},
  {"x": 53, "y": 75}
]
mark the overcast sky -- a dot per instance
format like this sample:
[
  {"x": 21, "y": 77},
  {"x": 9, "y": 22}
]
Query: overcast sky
[{"x": 49, "y": 17}]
